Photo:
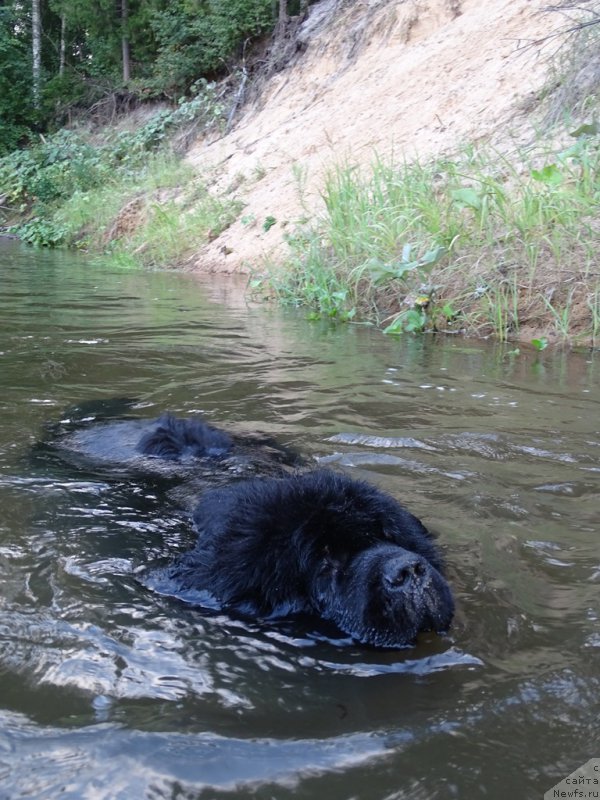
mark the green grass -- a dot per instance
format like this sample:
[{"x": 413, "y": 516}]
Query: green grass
[
  {"x": 490, "y": 236},
  {"x": 146, "y": 219},
  {"x": 170, "y": 231}
]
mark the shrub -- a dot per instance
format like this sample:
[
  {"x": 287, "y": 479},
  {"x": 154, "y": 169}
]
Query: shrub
[
  {"x": 65, "y": 163},
  {"x": 192, "y": 44}
]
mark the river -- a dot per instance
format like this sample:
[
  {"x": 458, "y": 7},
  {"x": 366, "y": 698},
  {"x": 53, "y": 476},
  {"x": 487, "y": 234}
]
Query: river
[{"x": 110, "y": 691}]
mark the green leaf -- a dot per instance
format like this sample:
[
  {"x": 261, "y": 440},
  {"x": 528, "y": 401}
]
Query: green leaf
[
  {"x": 380, "y": 272},
  {"x": 432, "y": 257},
  {"x": 415, "y": 321},
  {"x": 340, "y": 295},
  {"x": 395, "y": 327},
  {"x": 549, "y": 174},
  {"x": 411, "y": 321},
  {"x": 540, "y": 344},
  {"x": 587, "y": 129},
  {"x": 467, "y": 197}
]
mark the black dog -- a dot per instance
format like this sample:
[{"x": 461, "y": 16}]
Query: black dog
[
  {"x": 180, "y": 439},
  {"x": 96, "y": 437},
  {"x": 318, "y": 543}
]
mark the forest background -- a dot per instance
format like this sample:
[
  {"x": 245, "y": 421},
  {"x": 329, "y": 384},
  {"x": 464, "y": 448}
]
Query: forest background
[{"x": 63, "y": 56}]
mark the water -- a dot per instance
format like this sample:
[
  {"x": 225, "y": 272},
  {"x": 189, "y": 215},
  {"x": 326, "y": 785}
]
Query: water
[{"x": 110, "y": 691}]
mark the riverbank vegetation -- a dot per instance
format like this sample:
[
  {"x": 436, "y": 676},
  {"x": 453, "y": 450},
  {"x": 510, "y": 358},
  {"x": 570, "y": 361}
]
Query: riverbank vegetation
[
  {"x": 481, "y": 243},
  {"x": 127, "y": 192},
  {"x": 485, "y": 242}
]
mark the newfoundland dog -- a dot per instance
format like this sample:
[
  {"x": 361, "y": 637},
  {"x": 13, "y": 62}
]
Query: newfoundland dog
[
  {"x": 303, "y": 542},
  {"x": 318, "y": 543}
]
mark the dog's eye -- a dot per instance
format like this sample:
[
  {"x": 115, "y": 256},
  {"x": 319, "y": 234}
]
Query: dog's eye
[{"x": 328, "y": 564}]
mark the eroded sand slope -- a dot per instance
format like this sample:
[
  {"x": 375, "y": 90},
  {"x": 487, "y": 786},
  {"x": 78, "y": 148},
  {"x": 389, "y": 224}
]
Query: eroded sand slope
[{"x": 412, "y": 77}]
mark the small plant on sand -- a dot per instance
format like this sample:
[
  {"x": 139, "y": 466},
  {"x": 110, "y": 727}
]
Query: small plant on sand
[{"x": 394, "y": 233}]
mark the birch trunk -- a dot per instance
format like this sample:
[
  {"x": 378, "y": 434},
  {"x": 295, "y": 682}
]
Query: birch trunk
[
  {"x": 125, "y": 42},
  {"x": 63, "y": 32},
  {"x": 36, "y": 40}
]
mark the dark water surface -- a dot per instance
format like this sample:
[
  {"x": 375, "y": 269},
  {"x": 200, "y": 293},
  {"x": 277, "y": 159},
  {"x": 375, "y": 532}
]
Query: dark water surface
[{"x": 110, "y": 691}]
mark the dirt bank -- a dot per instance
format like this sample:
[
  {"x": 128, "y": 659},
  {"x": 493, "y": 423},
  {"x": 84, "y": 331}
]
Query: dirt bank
[{"x": 408, "y": 77}]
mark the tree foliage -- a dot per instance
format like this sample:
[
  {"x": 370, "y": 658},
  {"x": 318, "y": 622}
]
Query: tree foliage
[
  {"x": 170, "y": 44},
  {"x": 16, "y": 99},
  {"x": 199, "y": 38}
]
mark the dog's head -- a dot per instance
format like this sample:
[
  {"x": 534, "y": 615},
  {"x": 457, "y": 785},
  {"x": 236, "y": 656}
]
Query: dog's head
[{"x": 383, "y": 595}]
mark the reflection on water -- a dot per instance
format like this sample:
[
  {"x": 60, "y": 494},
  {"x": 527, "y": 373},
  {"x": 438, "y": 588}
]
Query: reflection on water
[{"x": 110, "y": 691}]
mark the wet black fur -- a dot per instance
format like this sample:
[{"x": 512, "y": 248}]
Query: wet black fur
[
  {"x": 104, "y": 438},
  {"x": 173, "y": 438},
  {"x": 314, "y": 542},
  {"x": 318, "y": 543}
]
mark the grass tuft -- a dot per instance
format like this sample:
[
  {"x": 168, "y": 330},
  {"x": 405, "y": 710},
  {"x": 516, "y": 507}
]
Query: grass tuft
[{"x": 478, "y": 243}]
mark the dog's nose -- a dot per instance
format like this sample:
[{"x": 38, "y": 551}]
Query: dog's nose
[{"x": 398, "y": 571}]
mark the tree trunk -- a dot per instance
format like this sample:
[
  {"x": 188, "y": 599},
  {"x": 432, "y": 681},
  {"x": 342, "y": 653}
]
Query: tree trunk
[
  {"x": 125, "y": 41},
  {"x": 63, "y": 31},
  {"x": 283, "y": 15},
  {"x": 282, "y": 22},
  {"x": 36, "y": 39}
]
